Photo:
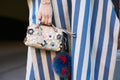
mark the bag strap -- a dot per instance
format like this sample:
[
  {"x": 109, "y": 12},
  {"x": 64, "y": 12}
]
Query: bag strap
[{"x": 64, "y": 30}]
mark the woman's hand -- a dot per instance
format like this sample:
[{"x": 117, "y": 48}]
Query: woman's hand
[{"x": 45, "y": 14}]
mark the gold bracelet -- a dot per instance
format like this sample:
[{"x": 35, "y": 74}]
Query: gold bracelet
[{"x": 45, "y": 2}]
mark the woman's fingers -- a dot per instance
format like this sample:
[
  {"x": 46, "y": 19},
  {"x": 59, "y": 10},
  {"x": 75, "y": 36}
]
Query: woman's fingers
[
  {"x": 43, "y": 20},
  {"x": 50, "y": 20},
  {"x": 39, "y": 16},
  {"x": 46, "y": 20}
]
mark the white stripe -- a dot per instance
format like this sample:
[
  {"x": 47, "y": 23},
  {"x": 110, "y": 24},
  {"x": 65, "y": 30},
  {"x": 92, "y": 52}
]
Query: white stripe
[
  {"x": 29, "y": 64},
  {"x": 56, "y": 13},
  {"x": 30, "y": 11},
  {"x": 105, "y": 43},
  {"x": 86, "y": 56},
  {"x": 114, "y": 50},
  {"x": 78, "y": 39},
  {"x": 35, "y": 65},
  {"x": 36, "y": 12},
  {"x": 53, "y": 54},
  {"x": 96, "y": 38},
  {"x": 29, "y": 58},
  {"x": 87, "y": 48},
  {"x": 73, "y": 10},
  {"x": 44, "y": 64}
]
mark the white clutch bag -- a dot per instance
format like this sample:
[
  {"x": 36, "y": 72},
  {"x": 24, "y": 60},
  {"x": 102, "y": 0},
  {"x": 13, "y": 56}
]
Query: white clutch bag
[{"x": 45, "y": 37}]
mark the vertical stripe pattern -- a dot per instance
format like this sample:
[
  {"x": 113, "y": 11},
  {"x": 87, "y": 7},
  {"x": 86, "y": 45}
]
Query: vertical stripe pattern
[
  {"x": 94, "y": 49},
  {"x": 40, "y": 61}
]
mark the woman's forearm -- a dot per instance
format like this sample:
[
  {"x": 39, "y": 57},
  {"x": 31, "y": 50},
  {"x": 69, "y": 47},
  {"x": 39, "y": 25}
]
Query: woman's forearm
[{"x": 45, "y": 1}]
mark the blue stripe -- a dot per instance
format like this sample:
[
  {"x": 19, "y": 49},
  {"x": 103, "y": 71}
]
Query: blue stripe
[
  {"x": 89, "y": 62},
  {"x": 110, "y": 46},
  {"x": 92, "y": 31},
  {"x": 83, "y": 40},
  {"x": 69, "y": 9},
  {"x": 61, "y": 13},
  {"x": 49, "y": 62},
  {"x": 33, "y": 11},
  {"x": 53, "y": 19},
  {"x": 101, "y": 38},
  {"x": 39, "y": 1},
  {"x": 75, "y": 24},
  {"x": 39, "y": 62},
  {"x": 89, "y": 67},
  {"x": 32, "y": 77},
  {"x": 93, "y": 23}
]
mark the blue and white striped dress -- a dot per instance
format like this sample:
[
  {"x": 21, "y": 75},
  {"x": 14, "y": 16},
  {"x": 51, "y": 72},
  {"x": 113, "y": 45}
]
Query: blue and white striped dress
[{"x": 93, "y": 49}]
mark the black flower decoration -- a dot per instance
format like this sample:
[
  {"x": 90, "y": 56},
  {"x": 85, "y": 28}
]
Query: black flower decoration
[
  {"x": 59, "y": 36},
  {"x": 44, "y": 43},
  {"x": 30, "y": 31},
  {"x": 52, "y": 44}
]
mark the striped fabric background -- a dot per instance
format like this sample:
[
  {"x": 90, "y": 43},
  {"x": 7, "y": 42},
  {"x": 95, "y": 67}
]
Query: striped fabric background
[
  {"x": 39, "y": 62},
  {"x": 93, "y": 49}
]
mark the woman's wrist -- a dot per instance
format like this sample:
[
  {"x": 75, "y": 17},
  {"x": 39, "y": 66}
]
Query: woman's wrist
[{"x": 45, "y": 2}]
